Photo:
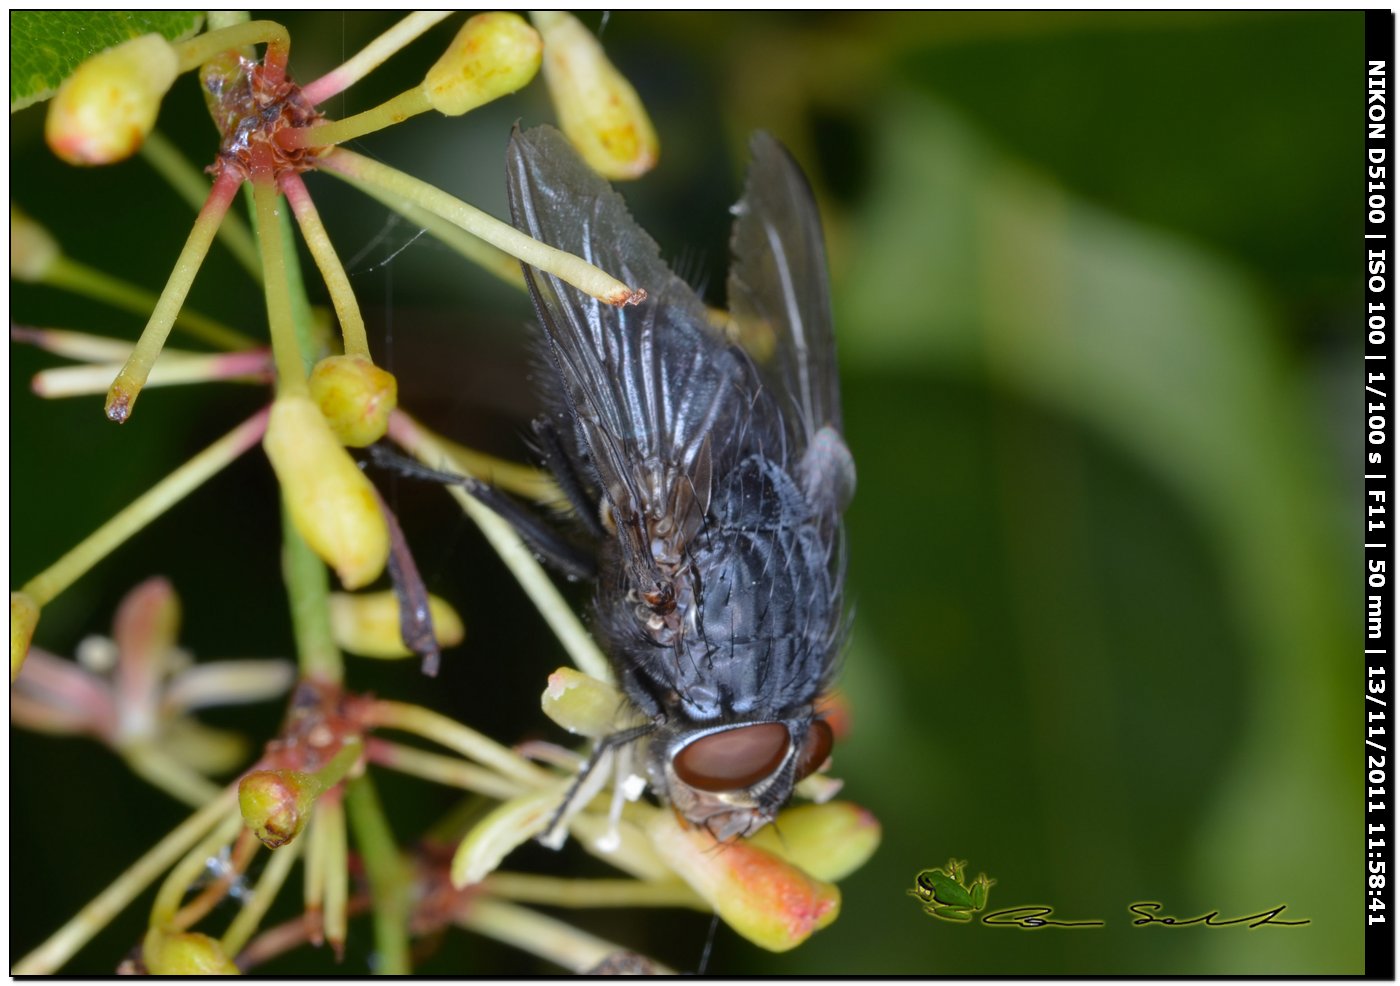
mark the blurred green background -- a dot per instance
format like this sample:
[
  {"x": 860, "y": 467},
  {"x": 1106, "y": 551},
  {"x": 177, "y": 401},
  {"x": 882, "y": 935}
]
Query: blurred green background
[{"x": 1096, "y": 287}]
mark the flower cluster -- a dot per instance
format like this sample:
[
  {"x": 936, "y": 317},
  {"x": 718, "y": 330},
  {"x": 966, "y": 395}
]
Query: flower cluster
[{"x": 310, "y": 793}]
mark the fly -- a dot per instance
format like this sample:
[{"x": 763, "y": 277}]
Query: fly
[{"x": 709, "y": 476}]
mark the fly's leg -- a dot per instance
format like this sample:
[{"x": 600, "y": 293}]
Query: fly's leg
[
  {"x": 571, "y": 484},
  {"x": 552, "y": 836},
  {"x": 543, "y": 539}
]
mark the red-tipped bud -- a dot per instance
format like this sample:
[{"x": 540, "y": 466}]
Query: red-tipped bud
[
  {"x": 104, "y": 110},
  {"x": 584, "y": 705},
  {"x": 770, "y": 902},
  {"x": 276, "y": 804}
]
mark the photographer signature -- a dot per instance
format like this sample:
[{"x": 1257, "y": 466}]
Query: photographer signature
[{"x": 945, "y": 894}]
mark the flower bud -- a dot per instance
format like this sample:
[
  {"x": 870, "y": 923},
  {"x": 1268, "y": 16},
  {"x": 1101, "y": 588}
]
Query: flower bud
[
  {"x": 368, "y": 624},
  {"x": 185, "y": 953},
  {"x": 582, "y": 704},
  {"x": 829, "y": 841},
  {"x": 33, "y": 249},
  {"x": 770, "y": 902},
  {"x": 355, "y": 396},
  {"x": 332, "y": 504},
  {"x": 493, "y": 55},
  {"x": 24, "y": 617},
  {"x": 104, "y": 110},
  {"x": 598, "y": 109},
  {"x": 275, "y": 804},
  {"x": 507, "y": 826}
]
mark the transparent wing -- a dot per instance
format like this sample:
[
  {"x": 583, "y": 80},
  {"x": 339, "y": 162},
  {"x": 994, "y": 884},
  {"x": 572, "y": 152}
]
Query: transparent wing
[
  {"x": 779, "y": 296},
  {"x": 778, "y": 285},
  {"x": 653, "y": 391}
]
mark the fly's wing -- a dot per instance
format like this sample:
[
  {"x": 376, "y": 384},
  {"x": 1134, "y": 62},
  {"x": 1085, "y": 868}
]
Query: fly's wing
[
  {"x": 779, "y": 298},
  {"x": 649, "y": 386}
]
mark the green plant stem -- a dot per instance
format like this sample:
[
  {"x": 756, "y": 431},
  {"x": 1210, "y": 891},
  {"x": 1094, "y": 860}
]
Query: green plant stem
[
  {"x": 170, "y": 775},
  {"x": 550, "y": 939},
  {"x": 558, "y": 892},
  {"x": 440, "y": 769},
  {"x": 371, "y": 56},
  {"x": 386, "y": 114},
  {"x": 455, "y": 736},
  {"x": 308, "y": 594},
  {"x": 565, "y": 266},
  {"x": 70, "y": 275},
  {"x": 246, "y": 922},
  {"x": 387, "y": 876},
  {"x": 192, "y": 186},
  {"x": 166, "y": 908},
  {"x": 203, "y": 47},
  {"x": 125, "y": 389},
  {"x": 347, "y": 309},
  {"x": 45, "y": 586},
  {"x": 498, "y": 263},
  {"x": 424, "y": 446},
  {"x": 330, "y": 815},
  {"x": 97, "y": 913},
  {"x": 286, "y": 349}
]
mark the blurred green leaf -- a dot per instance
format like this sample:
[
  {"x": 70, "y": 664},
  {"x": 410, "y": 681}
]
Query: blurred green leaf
[
  {"x": 1173, "y": 357},
  {"x": 46, "y": 45}
]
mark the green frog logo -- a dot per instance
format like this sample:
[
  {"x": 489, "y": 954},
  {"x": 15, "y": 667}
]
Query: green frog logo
[{"x": 945, "y": 895}]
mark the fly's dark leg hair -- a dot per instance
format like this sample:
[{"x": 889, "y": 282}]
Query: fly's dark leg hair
[
  {"x": 605, "y": 744},
  {"x": 561, "y": 466},
  {"x": 543, "y": 539}
]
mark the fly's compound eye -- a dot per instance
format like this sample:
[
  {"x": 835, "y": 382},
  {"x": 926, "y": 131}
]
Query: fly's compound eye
[
  {"x": 735, "y": 758},
  {"x": 816, "y": 747}
]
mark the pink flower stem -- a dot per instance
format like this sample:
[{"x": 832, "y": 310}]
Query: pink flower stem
[{"x": 371, "y": 56}]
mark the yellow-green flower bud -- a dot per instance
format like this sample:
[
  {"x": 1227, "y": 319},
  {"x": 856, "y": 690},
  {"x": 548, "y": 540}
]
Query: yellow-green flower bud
[
  {"x": 355, "y": 396},
  {"x": 104, "y": 110},
  {"x": 509, "y": 825},
  {"x": 598, "y": 109},
  {"x": 331, "y": 502},
  {"x": 582, "y": 704},
  {"x": 368, "y": 624},
  {"x": 829, "y": 841},
  {"x": 33, "y": 249},
  {"x": 275, "y": 804},
  {"x": 770, "y": 902},
  {"x": 24, "y": 617},
  {"x": 185, "y": 953},
  {"x": 492, "y": 55}
]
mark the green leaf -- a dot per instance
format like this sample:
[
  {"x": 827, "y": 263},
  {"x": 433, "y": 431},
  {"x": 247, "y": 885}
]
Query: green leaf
[{"x": 47, "y": 45}]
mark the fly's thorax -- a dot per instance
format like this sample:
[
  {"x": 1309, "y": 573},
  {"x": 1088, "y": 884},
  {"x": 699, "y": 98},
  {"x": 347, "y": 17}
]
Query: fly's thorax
[{"x": 732, "y": 778}]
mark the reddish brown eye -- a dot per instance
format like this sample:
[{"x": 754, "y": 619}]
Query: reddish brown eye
[
  {"x": 816, "y": 747},
  {"x": 735, "y": 758}
]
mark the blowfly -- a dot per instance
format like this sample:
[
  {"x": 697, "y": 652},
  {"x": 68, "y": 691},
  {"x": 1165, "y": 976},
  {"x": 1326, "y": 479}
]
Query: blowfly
[{"x": 708, "y": 472}]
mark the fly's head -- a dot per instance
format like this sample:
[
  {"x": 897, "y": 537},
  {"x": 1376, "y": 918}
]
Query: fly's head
[{"x": 732, "y": 779}]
